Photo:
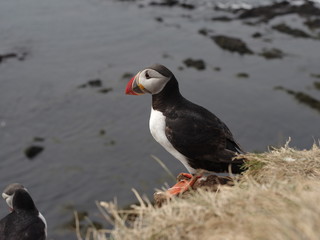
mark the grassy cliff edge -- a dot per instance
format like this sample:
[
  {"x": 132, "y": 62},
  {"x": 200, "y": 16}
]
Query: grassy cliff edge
[{"x": 277, "y": 198}]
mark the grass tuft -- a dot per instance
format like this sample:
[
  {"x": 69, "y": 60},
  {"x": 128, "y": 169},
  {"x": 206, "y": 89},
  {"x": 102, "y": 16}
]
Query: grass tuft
[{"x": 276, "y": 198}]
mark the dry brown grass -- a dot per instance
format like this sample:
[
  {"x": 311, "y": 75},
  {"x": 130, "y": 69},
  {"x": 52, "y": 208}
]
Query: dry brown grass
[{"x": 277, "y": 198}]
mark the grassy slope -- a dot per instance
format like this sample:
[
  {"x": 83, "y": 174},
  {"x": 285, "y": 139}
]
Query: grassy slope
[{"x": 277, "y": 198}]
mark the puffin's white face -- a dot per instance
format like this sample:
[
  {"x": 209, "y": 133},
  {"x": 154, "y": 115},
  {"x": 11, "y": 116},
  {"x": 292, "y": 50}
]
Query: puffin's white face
[{"x": 146, "y": 81}]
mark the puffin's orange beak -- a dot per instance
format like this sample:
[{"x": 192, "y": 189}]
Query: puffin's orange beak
[{"x": 133, "y": 87}]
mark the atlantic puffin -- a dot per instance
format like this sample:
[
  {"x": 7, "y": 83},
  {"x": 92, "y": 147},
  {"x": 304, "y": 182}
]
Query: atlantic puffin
[
  {"x": 191, "y": 133},
  {"x": 24, "y": 222}
]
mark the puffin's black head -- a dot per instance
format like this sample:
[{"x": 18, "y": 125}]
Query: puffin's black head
[
  {"x": 17, "y": 197},
  {"x": 150, "y": 80},
  {"x": 22, "y": 201}
]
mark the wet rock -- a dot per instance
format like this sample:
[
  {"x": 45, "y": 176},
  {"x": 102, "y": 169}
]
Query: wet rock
[
  {"x": 222, "y": 19},
  {"x": 105, "y": 90},
  {"x": 284, "y": 28},
  {"x": 256, "y": 35},
  {"x": 205, "y": 31},
  {"x": 313, "y": 24},
  {"x": 19, "y": 56},
  {"x": 302, "y": 98},
  {"x": 95, "y": 83},
  {"x": 272, "y": 53},
  {"x": 92, "y": 83},
  {"x": 167, "y": 3},
  {"x": 187, "y": 6},
  {"x": 159, "y": 19},
  {"x": 102, "y": 132},
  {"x": 232, "y": 44},
  {"x": 314, "y": 75},
  {"x": 243, "y": 75},
  {"x": 316, "y": 85},
  {"x": 195, "y": 63},
  {"x": 7, "y": 56},
  {"x": 268, "y": 12},
  {"x": 33, "y": 151},
  {"x": 172, "y": 3}
]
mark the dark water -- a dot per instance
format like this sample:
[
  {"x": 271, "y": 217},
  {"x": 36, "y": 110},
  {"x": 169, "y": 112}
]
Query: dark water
[{"x": 98, "y": 146}]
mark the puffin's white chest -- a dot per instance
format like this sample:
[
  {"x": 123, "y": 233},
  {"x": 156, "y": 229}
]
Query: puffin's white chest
[{"x": 157, "y": 125}]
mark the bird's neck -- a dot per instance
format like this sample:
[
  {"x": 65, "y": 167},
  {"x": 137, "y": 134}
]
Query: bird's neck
[{"x": 169, "y": 96}]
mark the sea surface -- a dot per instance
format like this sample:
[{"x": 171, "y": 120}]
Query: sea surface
[{"x": 97, "y": 146}]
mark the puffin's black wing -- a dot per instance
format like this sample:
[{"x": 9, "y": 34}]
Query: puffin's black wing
[
  {"x": 22, "y": 226},
  {"x": 35, "y": 231},
  {"x": 202, "y": 137},
  {"x": 2, "y": 227}
]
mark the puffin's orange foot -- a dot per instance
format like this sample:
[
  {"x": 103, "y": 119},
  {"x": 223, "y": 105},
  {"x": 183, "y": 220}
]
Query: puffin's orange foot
[{"x": 185, "y": 181}]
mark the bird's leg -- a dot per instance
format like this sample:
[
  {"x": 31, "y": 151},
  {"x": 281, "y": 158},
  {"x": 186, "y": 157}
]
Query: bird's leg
[{"x": 185, "y": 181}]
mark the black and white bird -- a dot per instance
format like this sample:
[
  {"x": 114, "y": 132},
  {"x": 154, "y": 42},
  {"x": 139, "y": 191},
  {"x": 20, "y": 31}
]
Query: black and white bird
[
  {"x": 24, "y": 222},
  {"x": 191, "y": 133}
]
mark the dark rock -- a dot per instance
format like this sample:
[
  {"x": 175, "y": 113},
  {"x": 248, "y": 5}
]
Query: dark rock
[
  {"x": 272, "y": 53},
  {"x": 95, "y": 83},
  {"x": 105, "y": 90},
  {"x": 302, "y": 98},
  {"x": 167, "y": 3},
  {"x": 7, "y": 56},
  {"x": 268, "y": 12},
  {"x": 307, "y": 9},
  {"x": 316, "y": 85},
  {"x": 187, "y": 6},
  {"x": 32, "y": 151},
  {"x": 313, "y": 24},
  {"x": 283, "y": 28},
  {"x": 222, "y": 19},
  {"x": 172, "y": 3},
  {"x": 256, "y": 35},
  {"x": 159, "y": 19},
  {"x": 232, "y": 44},
  {"x": 242, "y": 75},
  {"x": 315, "y": 75},
  {"x": 197, "y": 64},
  {"x": 217, "y": 69},
  {"x": 204, "y": 31}
]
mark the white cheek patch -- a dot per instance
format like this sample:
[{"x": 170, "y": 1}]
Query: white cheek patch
[
  {"x": 8, "y": 199},
  {"x": 154, "y": 84}
]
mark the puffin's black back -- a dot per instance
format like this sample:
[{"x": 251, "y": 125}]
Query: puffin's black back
[
  {"x": 23, "y": 223},
  {"x": 198, "y": 134}
]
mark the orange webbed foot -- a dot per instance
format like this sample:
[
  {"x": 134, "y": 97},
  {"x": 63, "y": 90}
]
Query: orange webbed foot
[{"x": 185, "y": 181}]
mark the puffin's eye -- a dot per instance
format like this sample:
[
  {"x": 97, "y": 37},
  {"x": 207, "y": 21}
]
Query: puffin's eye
[{"x": 147, "y": 75}]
